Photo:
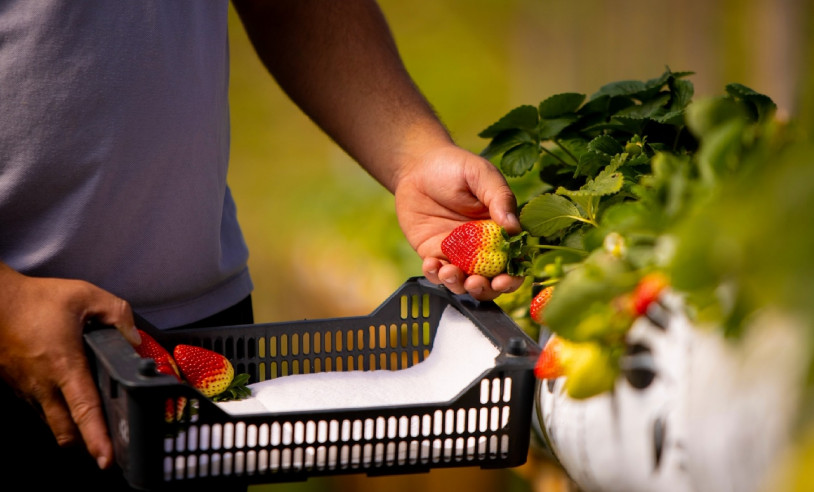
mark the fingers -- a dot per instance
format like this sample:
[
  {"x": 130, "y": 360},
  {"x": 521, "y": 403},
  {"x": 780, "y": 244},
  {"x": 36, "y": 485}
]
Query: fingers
[
  {"x": 86, "y": 411},
  {"x": 73, "y": 410},
  {"x": 493, "y": 191},
  {"x": 116, "y": 312},
  {"x": 479, "y": 287}
]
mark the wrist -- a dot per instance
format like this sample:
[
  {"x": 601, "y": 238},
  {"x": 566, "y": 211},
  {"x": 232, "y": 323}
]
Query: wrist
[{"x": 414, "y": 147}]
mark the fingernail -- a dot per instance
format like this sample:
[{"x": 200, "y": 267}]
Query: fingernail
[
  {"x": 511, "y": 218},
  {"x": 476, "y": 291},
  {"x": 102, "y": 462},
  {"x": 451, "y": 280}
]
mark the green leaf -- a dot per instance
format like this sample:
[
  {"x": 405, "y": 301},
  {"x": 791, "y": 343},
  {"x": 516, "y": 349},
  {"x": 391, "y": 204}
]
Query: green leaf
[
  {"x": 548, "y": 214},
  {"x": 506, "y": 140},
  {"x": 718, "y": 157},
  {"x": 552, "y": 257},
  {"x": 237, "y": 389},
  {"x": 603, "y": 184},
  {"x": 523, "y": 117},
  {"x": 591, "y": 162},
  {"x": 620, "y": 88},
  {"x": 596, "y": 105},
  {"x": 704, "y": 116},
  {"x": 605, "y": 144},
  {"x": 598, "y": 279},
  {"x": 659, "y": 81},
  {"x": 551, "y": 128},
  {"x": 683, "y": 90},
  {"x": 628, "y": 124},
  {"x": 561, "y": 104},
  {"x": 607, "y": 182},
  {"x": 675, "y": 118},
  {"x": 646, "y": 110},
  {"x": 519, "y": 160},
  {"x": 761, "y": 106}
]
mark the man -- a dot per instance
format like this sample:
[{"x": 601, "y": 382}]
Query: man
[{"x": 113, "y": 156}]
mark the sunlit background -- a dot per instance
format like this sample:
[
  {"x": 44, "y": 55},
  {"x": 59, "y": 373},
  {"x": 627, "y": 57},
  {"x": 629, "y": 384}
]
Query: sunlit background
[{"x": 323, "y": 235}]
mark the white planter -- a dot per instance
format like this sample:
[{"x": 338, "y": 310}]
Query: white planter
[{"x": 708, "y": 414}]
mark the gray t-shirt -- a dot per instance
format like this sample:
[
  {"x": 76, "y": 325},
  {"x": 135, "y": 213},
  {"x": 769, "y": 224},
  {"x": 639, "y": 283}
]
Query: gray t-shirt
[{"x": 114, "y": 144}]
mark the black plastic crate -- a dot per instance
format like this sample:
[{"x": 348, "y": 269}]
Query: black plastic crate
[{"x": 487, "y": 424}]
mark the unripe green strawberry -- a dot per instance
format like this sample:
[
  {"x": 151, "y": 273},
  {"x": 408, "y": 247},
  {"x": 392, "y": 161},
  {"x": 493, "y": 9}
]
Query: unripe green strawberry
[
  {"x": 210, "y": 373},
  {"x": 590, "y": 370},
  {"x": 482, "y": 247},
  {"x": 538, "y": 304}
]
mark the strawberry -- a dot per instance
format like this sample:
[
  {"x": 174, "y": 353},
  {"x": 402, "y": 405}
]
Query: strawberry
[
  {"x": 549, "y": 363},
  {"x": 210, "y": 373},
  {"x": 588, "y": 368},
  {"x": 482, "y": 247},
  {"x": 647, "y": 291},
  {"x": 174, "y": 409},
  {"x": 591, "y": 370},
  {"x": 164, "y": 364},
  {"x": 150, "y": 348},
  {"x": 538, "y": 304}
]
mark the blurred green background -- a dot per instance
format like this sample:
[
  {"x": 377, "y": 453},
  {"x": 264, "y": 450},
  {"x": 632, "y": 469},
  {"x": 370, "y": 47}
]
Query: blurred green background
[{"x": 323, "y": 235}]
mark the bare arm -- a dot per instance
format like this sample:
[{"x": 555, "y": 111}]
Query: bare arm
[{"x": 339, "y": 63}]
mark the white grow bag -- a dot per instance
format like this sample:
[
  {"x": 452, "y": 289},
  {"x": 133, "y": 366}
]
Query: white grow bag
[{"x": 691, "y": 412}]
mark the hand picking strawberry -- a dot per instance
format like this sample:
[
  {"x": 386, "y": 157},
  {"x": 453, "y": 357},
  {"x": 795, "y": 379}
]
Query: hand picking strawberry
[
  {"x": 482, "y": 247},
  {"x": 210, "y": 373}
]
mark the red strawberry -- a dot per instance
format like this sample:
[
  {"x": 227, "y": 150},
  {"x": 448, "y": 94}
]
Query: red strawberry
[
  {"x": 550, "y": 364},
  {"x": 538, "y": 304},
  {"x": 482, "y": 247},
  {"x": 150, "y": 348},
  {"x": 210, "y": 373},
  {"x": 174, "y": 409},
  {"x": 647, "y": 291}
]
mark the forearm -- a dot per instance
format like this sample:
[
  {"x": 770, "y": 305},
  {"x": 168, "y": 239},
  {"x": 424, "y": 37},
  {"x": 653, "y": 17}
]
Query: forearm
[{"x": 337, "y": 60}]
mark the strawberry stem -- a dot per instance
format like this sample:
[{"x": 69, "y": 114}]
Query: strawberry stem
[{"x": 561, "y": 248}]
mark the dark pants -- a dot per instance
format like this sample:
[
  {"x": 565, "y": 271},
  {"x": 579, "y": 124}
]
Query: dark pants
[{"x": 30, "y": 452}]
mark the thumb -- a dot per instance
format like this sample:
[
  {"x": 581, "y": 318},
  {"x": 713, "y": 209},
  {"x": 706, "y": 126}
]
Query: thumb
[
  {"x": 114, "y": 311},
  {"x": 499, "y": 198}
]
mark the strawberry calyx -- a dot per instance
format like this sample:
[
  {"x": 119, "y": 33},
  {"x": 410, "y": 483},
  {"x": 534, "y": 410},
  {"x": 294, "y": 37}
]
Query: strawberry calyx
[
  {"x": 237, "y": 389},
  {"x": 518, "y": 261}
]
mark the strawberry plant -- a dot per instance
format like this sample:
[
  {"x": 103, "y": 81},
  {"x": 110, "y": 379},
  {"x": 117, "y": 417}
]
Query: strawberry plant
[{"x": 605, "y": 184}]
